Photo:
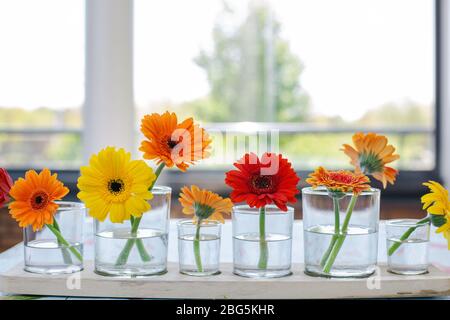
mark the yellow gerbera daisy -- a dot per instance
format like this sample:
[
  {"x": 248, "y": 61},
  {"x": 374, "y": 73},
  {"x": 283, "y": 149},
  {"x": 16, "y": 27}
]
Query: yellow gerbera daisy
[
  {"x": 116, "y": 185},
  {"x": 204, "y": 204},
  {"x": 437, "y": 204},
  {"x": 370, "y": 156}
]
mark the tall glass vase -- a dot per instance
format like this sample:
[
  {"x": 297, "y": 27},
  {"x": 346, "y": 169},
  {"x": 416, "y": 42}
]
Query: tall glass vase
[
  {"x": 262, "y": 241},
  {"x": 340, "y": 233},
  {"x": 119, "y": 251},
  {"x": 46, "y": 253}
]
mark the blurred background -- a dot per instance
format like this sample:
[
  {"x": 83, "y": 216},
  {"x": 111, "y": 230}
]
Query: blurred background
[{"x": 77, "y": 75}]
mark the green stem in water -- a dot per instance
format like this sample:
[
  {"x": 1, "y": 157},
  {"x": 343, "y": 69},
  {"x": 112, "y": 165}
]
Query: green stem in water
[
  {"x": 198, "y": 259},
  {"x": 125, "y": 253},
  {"x": 406, "y": 235},
  {"x": 263, "y": 250},
  {"x": 63, "y": 241},
  {"x": 341, "y": 237},
  {"x": 140, "y": 246},
  {"x": 66, "y": 255},
  {"x": 336, "y": 231}
]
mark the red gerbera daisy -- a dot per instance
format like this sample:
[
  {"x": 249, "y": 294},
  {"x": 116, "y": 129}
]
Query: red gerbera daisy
[{"x": 264, "y": 181}]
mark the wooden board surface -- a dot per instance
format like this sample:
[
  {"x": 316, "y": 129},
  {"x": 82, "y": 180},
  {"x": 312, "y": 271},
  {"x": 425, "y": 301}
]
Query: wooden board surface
[{"x": 226, "y": 285}]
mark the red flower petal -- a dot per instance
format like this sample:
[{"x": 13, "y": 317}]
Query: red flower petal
[{"x": 259, "y": 182}]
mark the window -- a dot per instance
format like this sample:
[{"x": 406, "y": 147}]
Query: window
[
  {"x": 41, "y": 83},
  {"x": 316, "y": 70},
  {"x": 313, "y": 72}
]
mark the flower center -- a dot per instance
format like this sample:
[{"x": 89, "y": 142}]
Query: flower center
[
  {"x": 171, "y": 144},
  {"x": 341, "y": 177},
  {"x": 116, "y": 186},
  {"x": 262, "y": 184},
  {"x": 39, "y": 200}
]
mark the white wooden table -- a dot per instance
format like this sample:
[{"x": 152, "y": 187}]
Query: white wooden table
[{"x": 439, "y": 255}]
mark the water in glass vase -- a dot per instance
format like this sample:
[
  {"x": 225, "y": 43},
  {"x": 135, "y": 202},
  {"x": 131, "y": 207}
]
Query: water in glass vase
[
  {"x": 110, "y": 243},
  {"x": 356, "y": 258},
  {"x": 246, "y": 249},
  {"x": 209, "y": 254},
  {"x": 410, "y": 258},
  {"x": 47, "y": 256}
]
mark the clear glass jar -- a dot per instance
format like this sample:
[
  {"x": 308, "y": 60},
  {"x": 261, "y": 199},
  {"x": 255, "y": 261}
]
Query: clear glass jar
[
  {"x": 199, "y": 247},
  {"x": 120, "y": 252},
  {"x": 45, "y": 254},
  {"x": 347, "y": 251},
  {"x": 409, "y": 252},
  {"x": 262, "y": 254}
]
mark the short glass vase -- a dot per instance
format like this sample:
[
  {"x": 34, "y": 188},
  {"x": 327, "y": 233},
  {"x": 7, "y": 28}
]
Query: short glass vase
[
  {"x": 262, "y": 244},
  {"x": 46, "y": 254},
  {"x": 407, "y": 239},
  {"x": 340, "y": 233},
  {"x": 199, "y": 247},
  {"x": 122, "y": 252}
]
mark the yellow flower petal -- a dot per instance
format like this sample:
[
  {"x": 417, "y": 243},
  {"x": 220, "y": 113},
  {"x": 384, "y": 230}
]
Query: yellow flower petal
[{"x": 116, "y": 185}]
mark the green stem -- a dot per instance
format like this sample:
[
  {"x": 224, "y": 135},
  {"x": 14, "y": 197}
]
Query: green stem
[
  {"x": 350, "y": 208},
  {"x": 66, "y": 255},
  {"x": 342, "y": 236},
  {"x": 198, "y": 259},
  {"x": 140, "y": 245},
  {"x": 63, "y": 241},
  {"x": 406, "y": 235},
  {"x": 125, "y": 253},
  {"x": 336, "y": 231},
  {"x": 263, "y": 255},
  {"x": 123, "y": 256}
]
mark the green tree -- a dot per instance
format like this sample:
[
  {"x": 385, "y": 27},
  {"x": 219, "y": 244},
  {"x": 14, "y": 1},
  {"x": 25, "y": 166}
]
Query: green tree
[
  {"x": 392, "y": 114},
  {"x": 252, "y": 72}
]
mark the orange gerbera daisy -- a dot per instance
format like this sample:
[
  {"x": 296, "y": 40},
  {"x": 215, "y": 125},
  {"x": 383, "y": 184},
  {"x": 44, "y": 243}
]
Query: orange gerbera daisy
[
  {"x": 339, "y": 181},
  {"x": 173, "y": 143},
  {"x": 34, "y": 198},
  {"x": 370, "y": 156},
  {"x": 204, "y": 204}
]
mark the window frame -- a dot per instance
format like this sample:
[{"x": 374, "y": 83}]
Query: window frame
[{"x": 408, "y": 182}]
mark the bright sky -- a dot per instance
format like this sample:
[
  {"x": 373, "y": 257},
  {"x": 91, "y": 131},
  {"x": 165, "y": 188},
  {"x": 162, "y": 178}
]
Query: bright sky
[
  {"x": 41, "y": 53},
  {"x": 358, "y": 54}
]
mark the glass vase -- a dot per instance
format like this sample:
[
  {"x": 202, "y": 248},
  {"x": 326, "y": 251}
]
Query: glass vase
[
  {"x": 199, "y": 247},
  {"x": 46, "y": 254},
  {"x": 340, "y": 233},
  {"x": 407, "y": 246},
  {"x": 262, "y": 244},
  {"x": 121, "y": 252}
]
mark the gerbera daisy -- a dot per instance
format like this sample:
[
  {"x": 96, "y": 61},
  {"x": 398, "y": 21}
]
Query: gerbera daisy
[
  {"x": 339, "y": 181},
  {"x": 252, "y": 184},
  {"x": 34, "y": 198},
  {"x": 173, "y": 143},
  {"x": 437, "y": 204},
  {"x": 370, "y": 156},
  {"x": 204, "y": 204},
  {"x": 116, "y": 185},
  {"x": 5, "y": 185}
]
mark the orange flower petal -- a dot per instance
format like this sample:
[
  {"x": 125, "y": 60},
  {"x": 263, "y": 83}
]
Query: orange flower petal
[
  {"x": 173, "y": 143},
  {"x": 34, "y": 198}
]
